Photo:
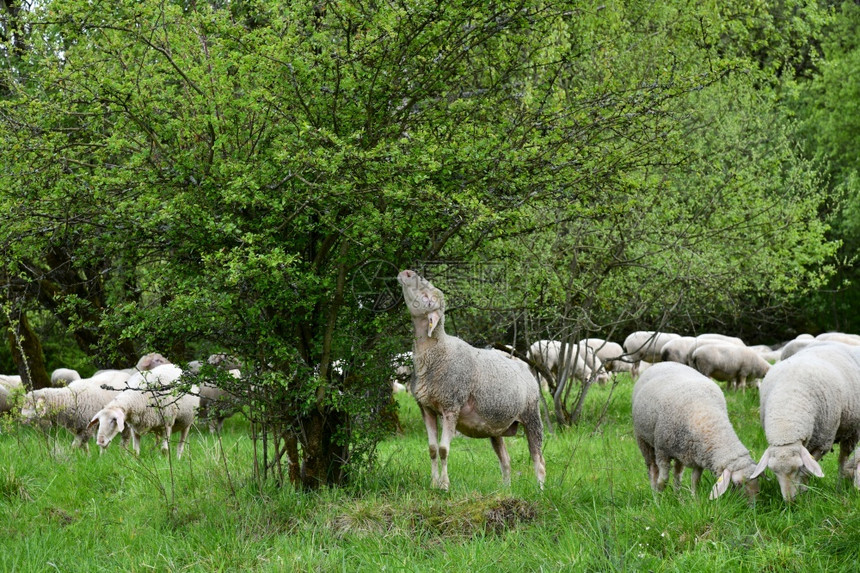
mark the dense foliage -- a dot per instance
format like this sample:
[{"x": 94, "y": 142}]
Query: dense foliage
[{"x": 195, "y": 177}]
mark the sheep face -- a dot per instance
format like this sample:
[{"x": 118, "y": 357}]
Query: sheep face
[
  {"x": 111, "y": 421},
  {"x": 738, "y": 479},
  {"x": 791, "y": 464},
  {"x": 151, "y": 360},
  {"x": 422, "y": 299}
]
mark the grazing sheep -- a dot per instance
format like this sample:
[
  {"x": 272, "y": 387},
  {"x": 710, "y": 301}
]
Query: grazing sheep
[
  {"x": 217, "y": 404},
  {"x": 548, "y": 353},
  {"x": 730, "y": 363},
  {"x": 808, "y": 402},
  {"x": 792, "y": 347},
  {"x": 646, "y": 345},
  {"x": 712, "y": 337},
  {"x": 594, "y": 363},
  {"x": 149, "y": 407},
  {"x": 679, "y": 414},
  {"x": 476, "y": 391},
  {"x": 610, "y": 353},
  {"x": 62, "y": 376},
  {"x": 678, "y": 350},
  {"x": 11, "y": 382},
  {"x": 842, "y": 337},
  {"x": 766, "y": 352},
  {"x": 74, "y": 405}
]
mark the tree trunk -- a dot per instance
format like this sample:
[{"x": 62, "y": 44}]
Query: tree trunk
[
  {"x": 27, "y": 353},
  {"x": 323, "y": 460}
]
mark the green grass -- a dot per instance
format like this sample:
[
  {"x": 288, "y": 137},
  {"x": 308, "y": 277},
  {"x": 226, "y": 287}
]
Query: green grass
[{"x": 67, "y": 511}]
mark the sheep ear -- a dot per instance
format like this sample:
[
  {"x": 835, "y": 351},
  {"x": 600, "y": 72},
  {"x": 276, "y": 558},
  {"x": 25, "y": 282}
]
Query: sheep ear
[
  {"x": 433, "y": 319},
  {"x": 120, "y": 422},
  {"x": 93, "y": 422},
  {"x": 810, "y": 464},
  {"x": 722, "y": 484},
  {"x": 762, "y": 464}
]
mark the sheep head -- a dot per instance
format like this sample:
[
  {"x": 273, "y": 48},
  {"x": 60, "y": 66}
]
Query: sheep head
[
  {"x": 424, "y": 301},
  {"x": 111, "y": 421},
  {"x": 151, "y": 360},
  {"x": 738, "y": 478},
  {"x": 789, "y": 463}
]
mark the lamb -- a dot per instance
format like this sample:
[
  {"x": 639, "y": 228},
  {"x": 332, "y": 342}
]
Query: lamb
[
  {"x": 808, "y": 402},
  {"x": 62, "y": 376},
  {"x": 729, "y": 362},
  {"x": 476, "y": 391},
  {"x": 150, "y": 407},
  {"x": 646, "y": 345},
  {"x": 74, "y": 405},
  {"x": 679, "y": 414}
]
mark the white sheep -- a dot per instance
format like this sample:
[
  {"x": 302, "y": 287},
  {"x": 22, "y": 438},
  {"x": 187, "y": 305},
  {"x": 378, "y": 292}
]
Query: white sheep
[
  {"x": 730, "y": 363},
  {"x": 476, "y": 391},
  {"x": 549, "y": 354},
  {"x": 714, "y": 337},
  {"x": 11, "y": 382},
  {"x": 217, "y": 404},
  {"x": 150, "y": 361},
  {"x": 74, "y": 405},
  {"x": 792, "y": 347},
  {"x": 152, "y": 406},
  {"x": 610, "y": 353},
  {"x": 808, "y": 402},
  {"x": 843, "y": 337},
  {"x": 8, "y": 386},
  {"x": 646, "y": 345},
  {"x": 679, "y": 350},
  {"x": 62, "y": 376},
  {"x": 679, "y": 414}
]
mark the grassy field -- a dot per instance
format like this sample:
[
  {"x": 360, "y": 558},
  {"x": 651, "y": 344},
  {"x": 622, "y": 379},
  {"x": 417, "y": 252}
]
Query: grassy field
[{"x": 64, "y": 510}]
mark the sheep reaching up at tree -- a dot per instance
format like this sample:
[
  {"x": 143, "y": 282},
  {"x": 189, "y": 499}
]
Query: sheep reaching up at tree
[{"x": 479, "y": 392}]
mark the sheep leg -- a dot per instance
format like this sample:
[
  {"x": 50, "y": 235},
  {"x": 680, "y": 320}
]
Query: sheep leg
[
  {"x": 165, "y": 441},
  {"x": 534, "y": 435},
  {"x": 846, "y": 448},
  {"x": 504, "y": 459},
  {"x": 679, "y": 469},
  {"x": 432, "y": 437},
  {"x": 182, "y": 437},
  {"x": 135, "y": 442},
  {"x": 649, "y": 454},
  {"x": 449, "y": 426},
  {"x": 662, "y": 462},
  {"x": 694, "y": 479}
]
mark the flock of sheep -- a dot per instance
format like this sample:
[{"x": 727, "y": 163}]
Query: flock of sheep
[
  {"x": 152, "y": 398},
  {"x": 810, "y": 397}
]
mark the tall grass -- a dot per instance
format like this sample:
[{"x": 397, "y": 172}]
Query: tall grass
[{"x": 61, "y": 509}]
